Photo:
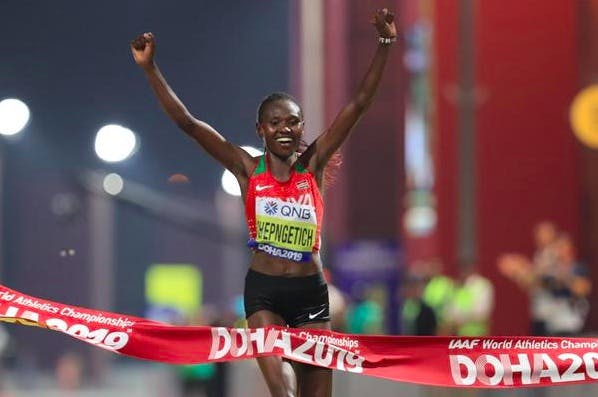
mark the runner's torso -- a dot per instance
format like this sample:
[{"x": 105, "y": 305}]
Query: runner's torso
[{"x": 284, "y": 221}]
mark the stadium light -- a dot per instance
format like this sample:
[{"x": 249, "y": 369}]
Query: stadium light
[
  {"x": 229, "y": 182},
  {"x": 14, "y": 116},
  {"x": 113, "y": 184},
  {"x": 115, "y": 143}
]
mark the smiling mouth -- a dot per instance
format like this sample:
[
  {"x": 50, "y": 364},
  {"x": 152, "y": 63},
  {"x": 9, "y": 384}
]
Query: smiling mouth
[{"x": 284, "y": 140}]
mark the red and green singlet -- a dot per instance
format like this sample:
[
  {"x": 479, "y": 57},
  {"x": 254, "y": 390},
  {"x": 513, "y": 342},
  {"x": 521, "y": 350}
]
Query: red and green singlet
[{"x": 284, "y": 218}]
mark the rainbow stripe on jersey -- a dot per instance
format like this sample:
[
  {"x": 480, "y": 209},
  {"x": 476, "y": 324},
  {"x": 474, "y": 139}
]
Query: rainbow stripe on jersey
[{"x": 284, "y": 218}]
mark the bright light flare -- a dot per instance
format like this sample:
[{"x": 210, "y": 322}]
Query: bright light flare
[
  {"x": 14, "y": 116},
  {"x": 115, "y": 143},
  {"x": 113, "y": 184},
  {"x": 229, "y": 182}
]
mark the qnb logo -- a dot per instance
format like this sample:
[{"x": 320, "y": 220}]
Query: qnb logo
[
  {"x": 295, "y": 212},
  {"x": 523, "y": 368},
  {"x": 271, "y": 207}
]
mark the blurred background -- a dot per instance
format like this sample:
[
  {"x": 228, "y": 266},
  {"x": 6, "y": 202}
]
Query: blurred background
[{"x": 467, "y": 202}]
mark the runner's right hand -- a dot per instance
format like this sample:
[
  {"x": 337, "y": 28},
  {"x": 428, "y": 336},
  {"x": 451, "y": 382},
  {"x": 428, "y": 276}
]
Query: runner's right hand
[{"x": 143, "y": 48}]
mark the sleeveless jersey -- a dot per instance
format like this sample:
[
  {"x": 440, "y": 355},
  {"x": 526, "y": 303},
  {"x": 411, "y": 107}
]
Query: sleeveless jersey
[{"x": 284, "y": 218}]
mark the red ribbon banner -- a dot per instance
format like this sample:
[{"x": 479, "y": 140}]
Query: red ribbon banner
[{"x": 489, "y": 362}]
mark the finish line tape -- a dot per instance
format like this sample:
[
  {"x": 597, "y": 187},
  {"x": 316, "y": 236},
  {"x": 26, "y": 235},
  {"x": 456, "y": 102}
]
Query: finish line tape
[{"x": 488, "y": 362}]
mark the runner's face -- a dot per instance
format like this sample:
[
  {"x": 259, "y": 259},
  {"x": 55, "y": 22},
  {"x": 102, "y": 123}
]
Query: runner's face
[{"x": 281, "y": 128}]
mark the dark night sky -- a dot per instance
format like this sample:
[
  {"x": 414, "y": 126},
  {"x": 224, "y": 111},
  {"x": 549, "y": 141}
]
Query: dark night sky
[{"x": 70, "y": 61}]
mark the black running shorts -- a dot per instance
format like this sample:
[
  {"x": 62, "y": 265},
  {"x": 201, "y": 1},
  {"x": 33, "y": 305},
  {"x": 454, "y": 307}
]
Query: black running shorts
[{"x": 298, "y": 300}]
